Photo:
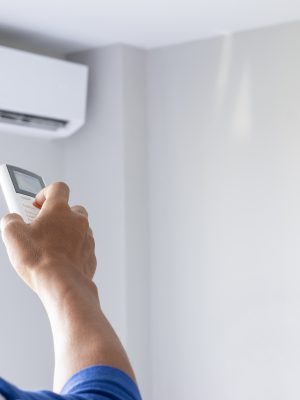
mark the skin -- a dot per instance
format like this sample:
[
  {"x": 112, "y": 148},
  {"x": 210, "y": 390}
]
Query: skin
[{"x": 55, "y": 257}]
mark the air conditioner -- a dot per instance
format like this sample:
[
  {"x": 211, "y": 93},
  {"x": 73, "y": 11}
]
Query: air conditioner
[{"x": 41, "y": 96}]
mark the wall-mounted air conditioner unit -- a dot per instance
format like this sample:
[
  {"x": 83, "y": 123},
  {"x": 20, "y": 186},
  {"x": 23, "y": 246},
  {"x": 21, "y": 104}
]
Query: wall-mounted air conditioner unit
[{"x": 41, "y": 96}]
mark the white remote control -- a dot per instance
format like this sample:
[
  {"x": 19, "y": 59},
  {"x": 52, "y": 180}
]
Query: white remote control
[{"x": 20, "y": 187}]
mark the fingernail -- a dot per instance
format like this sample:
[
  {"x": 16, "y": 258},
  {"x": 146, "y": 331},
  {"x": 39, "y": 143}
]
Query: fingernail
[{"x": 37, "y": 205}]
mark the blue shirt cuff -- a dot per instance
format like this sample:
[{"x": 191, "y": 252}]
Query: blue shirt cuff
[
  {"x": 93, "y": 383},
  {"x": 102, "y": 380}
]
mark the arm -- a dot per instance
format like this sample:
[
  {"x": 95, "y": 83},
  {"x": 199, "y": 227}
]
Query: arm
[{"x": 55, "y": 256}]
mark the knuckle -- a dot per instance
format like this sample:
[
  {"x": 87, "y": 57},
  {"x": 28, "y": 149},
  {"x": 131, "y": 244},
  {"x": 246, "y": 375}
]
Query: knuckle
[
  {"x": 92, "y": 243},
  {"x": 58, "y": 206},
  {"x": 10, "y": 220},
  {"x": 61, "y": 185},
  {"x": 83, "y": 222},
  {"x": 94, "y": 263},
  {"x": 80, "y": 209},
  {"x": 83, "y": 210},
  {"x": 10, "y": 227}
]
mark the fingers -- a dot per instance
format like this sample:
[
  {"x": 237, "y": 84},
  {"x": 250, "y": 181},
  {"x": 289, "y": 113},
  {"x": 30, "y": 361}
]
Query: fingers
[
  {"x": 12, "y": 228},
  {"x": 80, "y": 210},
  {"x": 56, "y": 193},
  {"x": 91, "y": 266},
  {"x": 13, "y": 219}
]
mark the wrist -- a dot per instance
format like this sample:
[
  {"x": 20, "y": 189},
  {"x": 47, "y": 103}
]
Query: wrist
[{"x": 56, "y": 283}]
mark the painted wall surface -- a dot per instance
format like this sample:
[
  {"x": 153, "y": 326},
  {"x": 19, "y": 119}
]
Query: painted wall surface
[
  {"x": 106, "y": 169},
  {"x": 136, "y": 216},
  {"x": 26, "y": 353},
  {"x": 224, "y": 194}
]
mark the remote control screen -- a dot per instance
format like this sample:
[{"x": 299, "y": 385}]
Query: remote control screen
[{"x": 28, "y": 183}]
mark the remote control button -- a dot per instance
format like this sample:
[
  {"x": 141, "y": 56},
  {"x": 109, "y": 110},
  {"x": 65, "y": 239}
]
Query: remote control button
[
  {"x": 31, "y": 209},
  {"x": 27, "y": 198},
  {"x": 31, "y": 214}
]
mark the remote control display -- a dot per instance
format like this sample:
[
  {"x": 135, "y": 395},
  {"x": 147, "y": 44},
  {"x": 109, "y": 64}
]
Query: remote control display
[{"x": 20, "y": 187}]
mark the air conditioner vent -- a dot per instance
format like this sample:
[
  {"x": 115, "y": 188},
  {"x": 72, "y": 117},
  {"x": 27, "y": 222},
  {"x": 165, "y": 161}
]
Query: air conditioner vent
[{"x": 31, "y": 121}]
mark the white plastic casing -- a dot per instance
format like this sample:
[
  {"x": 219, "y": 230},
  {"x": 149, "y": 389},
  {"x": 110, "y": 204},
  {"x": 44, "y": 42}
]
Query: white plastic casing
[
  {"x": 43, "y": 87},
  {"x": 17, "y": 202}
]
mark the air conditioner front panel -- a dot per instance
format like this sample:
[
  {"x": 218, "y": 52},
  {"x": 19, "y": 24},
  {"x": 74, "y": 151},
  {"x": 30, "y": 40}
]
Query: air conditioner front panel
[{"x": 41, "y": 87}]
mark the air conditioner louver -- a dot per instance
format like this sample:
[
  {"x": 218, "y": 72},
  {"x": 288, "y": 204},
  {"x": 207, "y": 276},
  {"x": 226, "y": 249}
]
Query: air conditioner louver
[{"x": 31, "y": 121}]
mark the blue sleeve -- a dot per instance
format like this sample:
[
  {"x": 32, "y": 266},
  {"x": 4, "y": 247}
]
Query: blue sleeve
[{"x": 93, "y": 383}]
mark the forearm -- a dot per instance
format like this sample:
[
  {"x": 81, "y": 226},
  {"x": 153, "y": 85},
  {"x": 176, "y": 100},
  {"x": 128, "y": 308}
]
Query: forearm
[{"x": 81, "y": 333}]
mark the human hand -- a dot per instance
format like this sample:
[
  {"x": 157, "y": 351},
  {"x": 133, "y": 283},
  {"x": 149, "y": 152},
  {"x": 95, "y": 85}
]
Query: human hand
[
  {"x": 55, "y": 256},
  {"x": 57, "y": 246}
]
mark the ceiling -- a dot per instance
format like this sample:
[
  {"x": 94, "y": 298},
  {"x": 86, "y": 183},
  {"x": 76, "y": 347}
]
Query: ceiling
[{"x": 65, "y": 26}]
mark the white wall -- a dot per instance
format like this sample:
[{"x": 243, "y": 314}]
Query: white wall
[
  {"x": 26, "y": 354},
  {"x": 106, "y": 169},
  {"x": 224, "y": 194},
  {"x": 136, "y": 216}
]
